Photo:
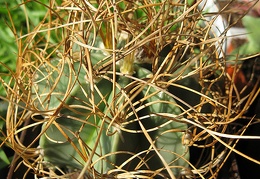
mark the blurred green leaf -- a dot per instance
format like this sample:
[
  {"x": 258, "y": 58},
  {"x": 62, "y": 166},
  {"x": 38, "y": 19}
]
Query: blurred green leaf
[
  {"x": 252, "y": 46},
  {"x": 8, "y": 46},
  {"x": 4, "y": 160}
]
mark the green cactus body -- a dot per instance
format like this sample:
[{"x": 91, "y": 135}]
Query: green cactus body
[
  {"x": 63, "y": 95},
  {"x": 167, "y": 135},
  {"x": 73, "y": 121},
  {"x": 124, "y": 143}
]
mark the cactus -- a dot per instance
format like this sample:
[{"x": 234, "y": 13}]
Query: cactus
[
  {"x": 63, "y": 96},
  {"x": 107, "y": 94}
]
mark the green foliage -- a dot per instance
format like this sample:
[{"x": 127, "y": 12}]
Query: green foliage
[
  {"x": 5, "y": 161},
  {"x": 252, "y": 25},
  {"x": 16, "y": 19},
  {"x": 252, "y": 46}
]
